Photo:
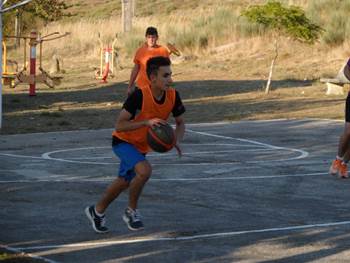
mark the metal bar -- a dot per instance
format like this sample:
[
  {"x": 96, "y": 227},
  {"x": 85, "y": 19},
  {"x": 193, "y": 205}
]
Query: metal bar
[
  {"x": 4, "y": 3},
  {"x": 14, "y": 6},
  {"x": 65, "y": 34}
]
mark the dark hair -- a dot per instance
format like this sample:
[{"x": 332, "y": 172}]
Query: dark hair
[
  {"x": 153, "y": 64},
  {"x": 151, "y": 31}
]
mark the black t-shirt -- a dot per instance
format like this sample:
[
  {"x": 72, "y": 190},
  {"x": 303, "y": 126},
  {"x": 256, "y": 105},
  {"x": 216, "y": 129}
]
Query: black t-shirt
[{"x": 133, "y": 105}]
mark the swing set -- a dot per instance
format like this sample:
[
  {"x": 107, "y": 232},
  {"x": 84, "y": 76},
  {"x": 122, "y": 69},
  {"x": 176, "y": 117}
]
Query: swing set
[{"x": 14, "y": 78}]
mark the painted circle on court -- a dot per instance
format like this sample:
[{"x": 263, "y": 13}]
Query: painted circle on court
[{"x": 193, "y": 154}]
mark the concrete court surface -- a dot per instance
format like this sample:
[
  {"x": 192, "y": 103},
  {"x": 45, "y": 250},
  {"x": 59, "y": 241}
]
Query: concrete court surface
[{"x": 250, "y": 191}]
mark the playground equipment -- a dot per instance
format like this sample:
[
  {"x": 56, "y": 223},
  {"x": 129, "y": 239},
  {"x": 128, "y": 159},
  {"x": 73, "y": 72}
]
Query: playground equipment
[
  {"x": 7, "y": 75},
  {"x": 107, "y": 54},
  {"x": 22, "y": 77},
  {"x": 2, "y": 11},
  {"x": 172, "y": 49}
]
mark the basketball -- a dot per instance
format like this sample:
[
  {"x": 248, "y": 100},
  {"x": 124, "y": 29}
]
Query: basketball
[{"x": 161, "y": 138}]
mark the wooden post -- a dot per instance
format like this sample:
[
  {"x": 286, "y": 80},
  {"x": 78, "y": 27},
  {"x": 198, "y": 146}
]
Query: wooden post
[
  {"x": 126, "y": 15},
  {"x": 133, "y": 8},
  {"x": 17, "y": 28}
]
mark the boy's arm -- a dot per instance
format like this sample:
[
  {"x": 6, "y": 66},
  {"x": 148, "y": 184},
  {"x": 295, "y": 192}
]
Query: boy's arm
[
  {"x": 180, "y": 128},
  {"x": 124, "y": 123},
  {"x": 133, "y": 76},
  {"x": 179, "y": 133}
]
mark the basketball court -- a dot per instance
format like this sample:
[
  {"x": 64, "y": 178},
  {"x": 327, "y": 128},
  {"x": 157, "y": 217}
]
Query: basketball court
[{"x": 250, "y": 191}]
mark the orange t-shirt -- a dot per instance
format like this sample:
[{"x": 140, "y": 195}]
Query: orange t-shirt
[
  {"x": 143, "y": 54},
  {"x": 150, "y": 109}
]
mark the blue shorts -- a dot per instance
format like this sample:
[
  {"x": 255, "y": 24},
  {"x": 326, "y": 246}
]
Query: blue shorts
[{"x": 129, "y": 156}]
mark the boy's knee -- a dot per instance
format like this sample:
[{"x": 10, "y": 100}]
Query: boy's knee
[{"x": 143, "y": 169}]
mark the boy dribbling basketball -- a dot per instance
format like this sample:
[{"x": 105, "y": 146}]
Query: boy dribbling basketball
[{"x": 143, "y": 109}]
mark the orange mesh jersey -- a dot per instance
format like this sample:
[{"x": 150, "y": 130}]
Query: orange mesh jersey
[
  {"x": 150, "y": 109},
  {"x": 143, "y": 54}
]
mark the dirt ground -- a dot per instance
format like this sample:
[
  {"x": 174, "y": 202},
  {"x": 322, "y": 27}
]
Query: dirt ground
[{"x": 209, "y": 93}]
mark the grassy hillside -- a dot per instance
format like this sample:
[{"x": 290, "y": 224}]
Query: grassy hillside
[
  {"x": 203, "y": 30},
  {"x": 195, "y": 26},
  {"x": 103, "y": 9}
]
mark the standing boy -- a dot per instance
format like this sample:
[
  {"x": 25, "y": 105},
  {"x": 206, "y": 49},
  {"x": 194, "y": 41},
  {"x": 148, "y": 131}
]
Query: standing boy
[
  {"x": 143, "y": 109},
  {"x": 148, "y": 50},
  {"x": 340, "y": 164}
]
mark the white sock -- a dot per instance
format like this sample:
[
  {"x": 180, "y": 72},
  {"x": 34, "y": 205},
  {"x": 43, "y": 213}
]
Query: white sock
[{"x": 97, "y": 213}]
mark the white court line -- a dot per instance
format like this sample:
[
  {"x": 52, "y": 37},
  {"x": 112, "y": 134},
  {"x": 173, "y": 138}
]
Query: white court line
[
  {"x": 46, "y": 156},
  {"x": 89, "y": 179},
  {"x": 20, "y": 156},
  {"x": 303, "y": 154},
  {"x": 261, "y": 150},
  {"x": 185, "y": 238}
]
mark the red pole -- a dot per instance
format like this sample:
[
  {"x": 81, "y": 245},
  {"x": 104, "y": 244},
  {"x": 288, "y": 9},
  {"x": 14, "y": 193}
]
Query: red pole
[
  {"x": 106, "y": 71},
  {"x": 32, "y": 43}
]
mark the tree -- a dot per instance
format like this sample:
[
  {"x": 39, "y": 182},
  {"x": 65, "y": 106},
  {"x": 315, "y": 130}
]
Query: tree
[
  {"x": 288, "y": 21},
  {"x": 47, "y": 10},
  {"x": 44, "y": 10}
]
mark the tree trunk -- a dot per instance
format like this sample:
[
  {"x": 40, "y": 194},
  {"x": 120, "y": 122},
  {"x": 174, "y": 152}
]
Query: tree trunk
[
  {"x": 126, "y": 15},
  {"x": 18, "y": 26},
  {"x": 267, "y": 90},
  {"x": 16, "y": 29}
]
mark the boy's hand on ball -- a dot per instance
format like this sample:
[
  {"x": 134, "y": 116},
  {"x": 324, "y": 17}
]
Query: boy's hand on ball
[{"x": 155, "y": 122}]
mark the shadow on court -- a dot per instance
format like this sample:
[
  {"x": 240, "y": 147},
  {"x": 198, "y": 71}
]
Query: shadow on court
[{"x": 250, "y": 191}]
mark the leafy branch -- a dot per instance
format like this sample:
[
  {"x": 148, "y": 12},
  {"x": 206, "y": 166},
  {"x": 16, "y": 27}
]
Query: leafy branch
[{"x": 283, "y": 21}]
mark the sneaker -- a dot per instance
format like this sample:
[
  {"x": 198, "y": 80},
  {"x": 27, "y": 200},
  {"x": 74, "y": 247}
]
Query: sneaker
[
  {"x": 98, "y": 222},
  {"x": 343, "y": 170},
  {"x": 133, "y": 219},
  {"x": 333, "y": 170}
]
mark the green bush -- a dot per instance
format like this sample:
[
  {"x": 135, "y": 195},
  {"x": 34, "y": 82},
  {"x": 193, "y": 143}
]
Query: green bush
[{"x": 285, "y": 20}]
